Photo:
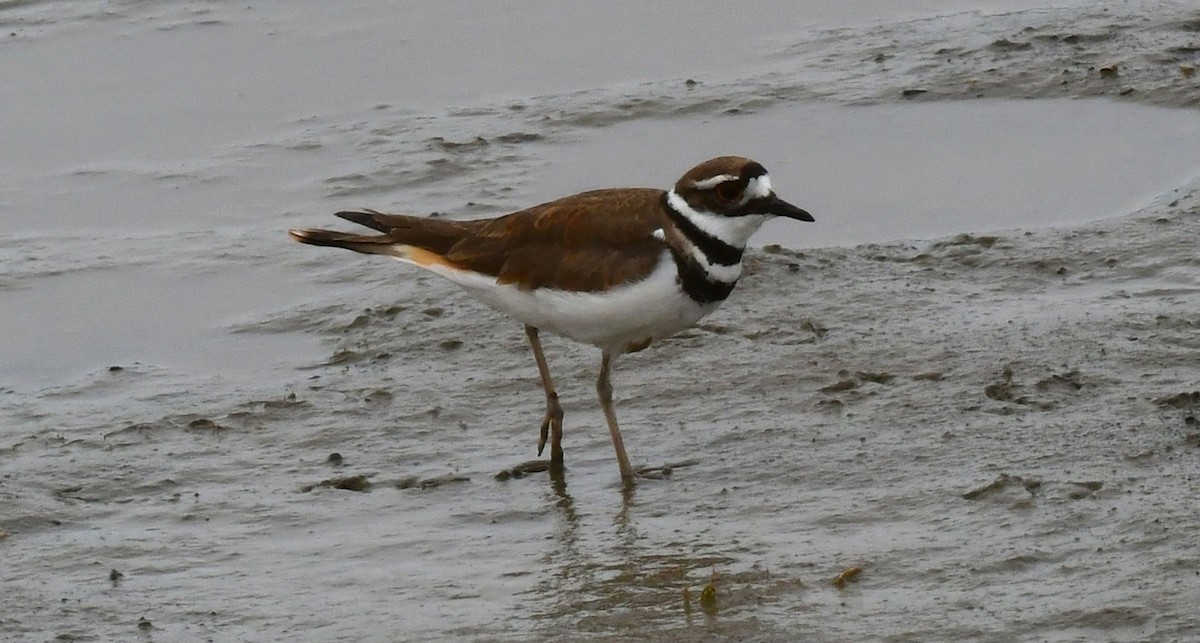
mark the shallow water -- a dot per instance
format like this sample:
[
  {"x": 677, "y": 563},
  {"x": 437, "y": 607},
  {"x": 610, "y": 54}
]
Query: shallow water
[
  {"x": 989, "y": 166},
  {"x": 994, "y": 427},
  {"x": 919, "y": 171}
]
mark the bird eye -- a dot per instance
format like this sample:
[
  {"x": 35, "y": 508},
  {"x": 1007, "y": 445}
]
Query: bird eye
[{"x": 728, "y": 191}]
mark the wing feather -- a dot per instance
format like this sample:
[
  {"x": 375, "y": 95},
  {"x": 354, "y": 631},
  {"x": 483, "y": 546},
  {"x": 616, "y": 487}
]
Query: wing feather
[{"x": 587, "y": 242}]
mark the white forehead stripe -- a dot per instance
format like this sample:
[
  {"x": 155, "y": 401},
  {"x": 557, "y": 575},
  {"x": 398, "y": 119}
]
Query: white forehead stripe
[
  {"x": 713, "y": 182},
  {"x": 757, "y": 188}
]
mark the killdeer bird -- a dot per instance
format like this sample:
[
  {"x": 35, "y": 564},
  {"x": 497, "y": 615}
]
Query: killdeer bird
[{"x": 618, "y": 269}]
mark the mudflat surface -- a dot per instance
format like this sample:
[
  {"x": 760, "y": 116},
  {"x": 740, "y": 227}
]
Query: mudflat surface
[{"x": 975, "y": 378}]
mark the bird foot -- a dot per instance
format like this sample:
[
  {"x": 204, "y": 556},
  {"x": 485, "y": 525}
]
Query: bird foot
[
  {"x": 652, "y": 473},
  {"x": 659, "y": 473},
  {"x": 525, "y": 468},
  {"x": 552, "y": 429}
]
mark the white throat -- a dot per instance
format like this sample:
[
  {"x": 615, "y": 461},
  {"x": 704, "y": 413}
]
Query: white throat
[{"x": 734, "y": 231}]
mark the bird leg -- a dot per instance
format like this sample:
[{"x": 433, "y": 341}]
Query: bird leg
[
  {"x": 604, "y": 391},
  {"x": 552, "y": 421}
]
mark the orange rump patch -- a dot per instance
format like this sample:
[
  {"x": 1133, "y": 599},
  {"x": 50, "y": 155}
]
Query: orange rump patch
[{"x": 426, "y": 258}]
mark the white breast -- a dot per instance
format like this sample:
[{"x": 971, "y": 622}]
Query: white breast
[{"x": 652, "y": 308}]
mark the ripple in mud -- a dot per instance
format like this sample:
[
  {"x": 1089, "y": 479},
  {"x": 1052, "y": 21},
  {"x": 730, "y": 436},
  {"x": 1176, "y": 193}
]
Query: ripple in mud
[
  {"x": 1018, "y": 491},
  {"x": 1141, "y": 55},
  {"x": 1051, "y": 389},
  {"x": 415, "y": 482},
  {"x": 358, "y": 483},
  {"x": 1181, "y": 400}
]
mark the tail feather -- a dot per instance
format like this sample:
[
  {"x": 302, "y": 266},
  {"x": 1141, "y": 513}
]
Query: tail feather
[
  {"x": 367, "y": 244},
  {"x": 369, "y": 218},
  {"x": 432, "y": 234}
]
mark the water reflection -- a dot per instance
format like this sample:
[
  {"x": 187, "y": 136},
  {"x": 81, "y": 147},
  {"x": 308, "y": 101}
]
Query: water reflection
[{"x": 623, "y": 574}]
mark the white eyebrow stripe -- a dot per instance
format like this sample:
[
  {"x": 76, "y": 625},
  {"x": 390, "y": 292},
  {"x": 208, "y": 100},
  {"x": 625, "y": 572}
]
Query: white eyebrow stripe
[{"x": 713, "y": 181}]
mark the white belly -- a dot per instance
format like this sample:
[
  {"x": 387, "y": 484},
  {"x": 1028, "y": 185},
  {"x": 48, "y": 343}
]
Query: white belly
[{"x": 651, "y": 309}]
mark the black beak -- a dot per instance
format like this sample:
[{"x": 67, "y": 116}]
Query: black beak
[{"x": 781, "y": 208}]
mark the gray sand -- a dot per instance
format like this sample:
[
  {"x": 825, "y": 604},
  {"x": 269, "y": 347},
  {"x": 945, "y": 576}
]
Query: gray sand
[{"x": 997, "y": 426}]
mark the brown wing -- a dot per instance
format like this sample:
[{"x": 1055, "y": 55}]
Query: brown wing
[{"x": 586, "y": 242}]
